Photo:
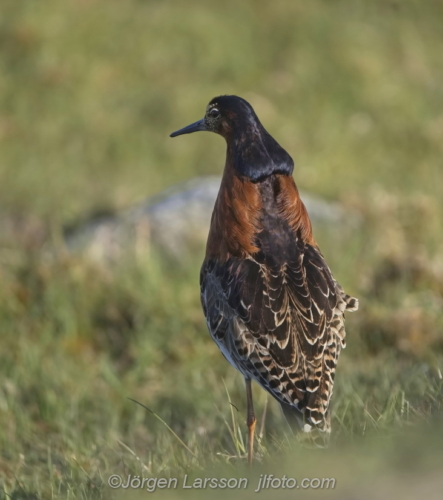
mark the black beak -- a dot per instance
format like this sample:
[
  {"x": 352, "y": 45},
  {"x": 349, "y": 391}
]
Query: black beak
[{"x": 194, "y": 127}]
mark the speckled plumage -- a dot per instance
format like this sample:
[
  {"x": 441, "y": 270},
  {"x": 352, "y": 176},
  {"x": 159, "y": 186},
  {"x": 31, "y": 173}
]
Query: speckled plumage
[
  {"x": 270, "y": 300},
  {"x": 278, "y": 314}
]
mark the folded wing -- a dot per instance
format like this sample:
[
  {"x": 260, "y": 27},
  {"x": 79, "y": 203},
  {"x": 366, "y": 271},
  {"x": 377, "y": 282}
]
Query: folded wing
[{"x": 280, "y": 321}]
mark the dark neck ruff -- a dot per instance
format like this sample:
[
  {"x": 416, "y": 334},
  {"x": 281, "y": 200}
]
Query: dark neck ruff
[{"x": 256, "y": 155}]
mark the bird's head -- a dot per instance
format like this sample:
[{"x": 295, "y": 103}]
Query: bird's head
[
  {"x": 224, "y": 115},
  {"x": 255, "y": 154}
]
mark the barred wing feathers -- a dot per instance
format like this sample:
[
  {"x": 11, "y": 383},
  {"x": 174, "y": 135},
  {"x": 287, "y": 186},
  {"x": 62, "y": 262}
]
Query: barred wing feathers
[{"x": 280, "y": 322}]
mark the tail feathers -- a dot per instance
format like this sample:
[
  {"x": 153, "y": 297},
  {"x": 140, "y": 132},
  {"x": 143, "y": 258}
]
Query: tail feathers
[
  {"x": 308, "y": 433},
  {"x": 351, "y": 303}
]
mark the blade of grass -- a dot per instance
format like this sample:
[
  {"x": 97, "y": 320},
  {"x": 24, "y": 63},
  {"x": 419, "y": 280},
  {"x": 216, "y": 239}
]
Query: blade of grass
[{"x": 166, "y": 425}]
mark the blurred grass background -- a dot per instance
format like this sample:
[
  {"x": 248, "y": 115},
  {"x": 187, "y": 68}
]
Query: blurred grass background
[{"x": 89, "y": 91}]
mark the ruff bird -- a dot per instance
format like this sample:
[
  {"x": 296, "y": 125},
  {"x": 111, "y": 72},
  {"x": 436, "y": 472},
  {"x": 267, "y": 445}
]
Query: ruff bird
[{"x": 270, "y": 300}]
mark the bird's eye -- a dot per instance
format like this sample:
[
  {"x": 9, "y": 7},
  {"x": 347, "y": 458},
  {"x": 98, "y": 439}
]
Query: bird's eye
[{"x": 214, "y": 113}]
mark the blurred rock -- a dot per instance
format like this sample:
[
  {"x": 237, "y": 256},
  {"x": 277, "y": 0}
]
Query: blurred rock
[{"x": 176, "y": 220}]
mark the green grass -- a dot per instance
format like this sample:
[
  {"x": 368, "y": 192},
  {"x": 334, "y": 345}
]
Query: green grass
[{"x": 89, "y": 91}]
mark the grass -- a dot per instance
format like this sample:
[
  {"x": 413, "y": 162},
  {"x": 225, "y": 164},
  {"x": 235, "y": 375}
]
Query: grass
[{"x": 89, "y": 91}]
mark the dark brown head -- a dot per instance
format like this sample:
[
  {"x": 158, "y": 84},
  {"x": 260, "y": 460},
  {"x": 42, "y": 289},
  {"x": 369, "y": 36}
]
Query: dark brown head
[{"x": 253, "y": 152}]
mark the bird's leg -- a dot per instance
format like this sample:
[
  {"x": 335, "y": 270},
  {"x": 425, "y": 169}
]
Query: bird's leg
[{"x": 251, "y": 420}]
